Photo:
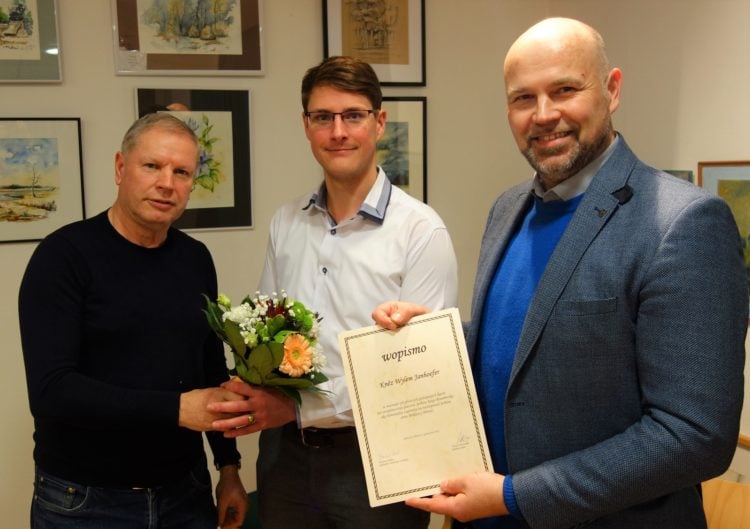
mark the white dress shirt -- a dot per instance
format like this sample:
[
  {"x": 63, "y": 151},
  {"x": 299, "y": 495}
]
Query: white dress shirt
[{"x": 395, "y": 247}]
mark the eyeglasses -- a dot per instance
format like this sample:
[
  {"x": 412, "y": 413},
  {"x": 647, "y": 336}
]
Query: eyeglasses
[{"x": 350, "y": 118}]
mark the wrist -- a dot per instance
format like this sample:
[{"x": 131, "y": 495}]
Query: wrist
[{"x": 228, "y": 467}]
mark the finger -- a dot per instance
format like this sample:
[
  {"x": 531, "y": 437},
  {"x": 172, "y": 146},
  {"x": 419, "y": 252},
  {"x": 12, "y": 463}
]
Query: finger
[
  {"x": 230, "y": 406},
  {"x": 234, "y": 423},
  {"x": 427, "y": 504},
  {"x": 453, "y": 486},
  {"x": 381, "y": 318},
  {"x": 238, "y": 386}
]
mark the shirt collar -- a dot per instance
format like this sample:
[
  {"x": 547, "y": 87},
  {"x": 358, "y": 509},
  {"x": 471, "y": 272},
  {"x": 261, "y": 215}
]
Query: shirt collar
[
  {"x": 576, "y": 184},
  {"x": 374, "y": 205}
]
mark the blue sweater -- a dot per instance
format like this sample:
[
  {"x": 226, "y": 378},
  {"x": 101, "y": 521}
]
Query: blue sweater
[{"x": 508, "y": 299}]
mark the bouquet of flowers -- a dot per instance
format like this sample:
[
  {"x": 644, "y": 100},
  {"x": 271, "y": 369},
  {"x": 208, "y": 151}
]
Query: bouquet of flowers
[{"x": 274, "y": 341}]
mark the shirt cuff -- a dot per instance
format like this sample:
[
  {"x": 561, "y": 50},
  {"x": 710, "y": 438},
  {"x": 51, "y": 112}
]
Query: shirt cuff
[{"x": 509, "y": 496}]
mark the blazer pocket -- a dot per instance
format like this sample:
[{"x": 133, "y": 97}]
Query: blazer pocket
[{"x": 584, "y": 307}]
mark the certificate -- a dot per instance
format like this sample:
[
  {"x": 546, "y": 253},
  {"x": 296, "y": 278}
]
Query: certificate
[{"x": 414, "y": 405}]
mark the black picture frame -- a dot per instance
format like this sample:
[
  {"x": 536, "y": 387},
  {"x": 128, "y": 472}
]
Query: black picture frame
[
  {"x": 41, "y": 177},
  {"x": 228, "y": 204},
  {"x": 402, "y": 151},
  {"x": 391, "y": 42}
]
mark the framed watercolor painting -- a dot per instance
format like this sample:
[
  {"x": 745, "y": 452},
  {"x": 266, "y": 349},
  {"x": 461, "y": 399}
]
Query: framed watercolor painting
[
  {"x": 402, "y": 151},
  {"x": 187, "y": 37},
  {"x": 41, "y": 177},
  {"x": 388, "y": 34},
  {"x": 731, "y": 181},
  {"x": 221, "y": 196},
  {"x": 29, "y": 43}
]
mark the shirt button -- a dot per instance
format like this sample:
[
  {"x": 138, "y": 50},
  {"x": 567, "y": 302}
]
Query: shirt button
[
  {"x": 325, "y": 270},
  {"x": 333, "y": 231}
]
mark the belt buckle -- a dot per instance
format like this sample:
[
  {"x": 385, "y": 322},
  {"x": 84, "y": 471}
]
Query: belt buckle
[{"x": 315, "y": 438}]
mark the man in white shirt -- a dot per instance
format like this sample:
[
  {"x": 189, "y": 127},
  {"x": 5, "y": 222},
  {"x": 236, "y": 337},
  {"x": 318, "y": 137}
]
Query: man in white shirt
[{"x": 352, "y": 244}]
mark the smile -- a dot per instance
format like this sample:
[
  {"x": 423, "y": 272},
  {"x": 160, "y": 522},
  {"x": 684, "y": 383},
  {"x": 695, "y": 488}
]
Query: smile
[{"x": 550, "y": 137}]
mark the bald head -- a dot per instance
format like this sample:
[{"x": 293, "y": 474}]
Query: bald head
[
  {"x": 561, "y": 95},
  {"x": 564, "y": 36}
]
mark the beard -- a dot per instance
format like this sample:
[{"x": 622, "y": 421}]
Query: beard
[{"x": 580, "y": 155}]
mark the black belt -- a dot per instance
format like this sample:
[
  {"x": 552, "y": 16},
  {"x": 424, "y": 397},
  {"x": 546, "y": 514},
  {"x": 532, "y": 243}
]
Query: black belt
[{"x": 327, "y": 437}]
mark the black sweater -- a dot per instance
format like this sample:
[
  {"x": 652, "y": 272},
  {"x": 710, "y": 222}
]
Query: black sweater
[{"x": 112, "y": 333}]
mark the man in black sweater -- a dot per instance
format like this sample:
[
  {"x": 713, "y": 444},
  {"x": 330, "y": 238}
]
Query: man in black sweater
[{"x": 120, "y": 362}]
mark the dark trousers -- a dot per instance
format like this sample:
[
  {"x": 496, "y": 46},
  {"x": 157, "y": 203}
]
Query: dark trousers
[
  {"x": 61, "y": 504},
  {"x": 320, "y": 484}
]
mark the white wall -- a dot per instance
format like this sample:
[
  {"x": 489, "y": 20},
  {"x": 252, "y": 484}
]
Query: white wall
[{"x": 686, "y": 67}]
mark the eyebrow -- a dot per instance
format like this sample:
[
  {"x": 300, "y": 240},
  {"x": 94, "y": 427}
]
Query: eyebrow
[
  {"x": 348, "y": 109},
  {"x": 568, "y": 79}
]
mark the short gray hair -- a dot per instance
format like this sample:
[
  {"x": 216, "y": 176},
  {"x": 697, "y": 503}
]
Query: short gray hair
[{"x": 162, "y": 120}]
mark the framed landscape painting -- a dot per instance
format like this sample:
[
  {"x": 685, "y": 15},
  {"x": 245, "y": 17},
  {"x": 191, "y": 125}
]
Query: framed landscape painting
[
  {"x": 187, "y": 37},
  {"x": 731, "y": 181},
  {"x": 29, "y": 42},
  {"x": 41, "y": 181},
  {"x": 402, "y": 151}
]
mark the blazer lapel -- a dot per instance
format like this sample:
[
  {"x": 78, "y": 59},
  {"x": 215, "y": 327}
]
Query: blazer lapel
[
  {"x": 597, "y": 206},
  {"x": 501, "y": 224}
]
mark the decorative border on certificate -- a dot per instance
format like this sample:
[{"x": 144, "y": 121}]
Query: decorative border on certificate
[
  {"x": 388, "y": 34},
  {"x": 29, "y": 43},
  {"x": 41, "y": 176},
  {"x": 415, "y": 406},
  {"x": 402, "y": 151},
  {"x": 221, "y": 196},
  {"x": 187, "y": 37}
]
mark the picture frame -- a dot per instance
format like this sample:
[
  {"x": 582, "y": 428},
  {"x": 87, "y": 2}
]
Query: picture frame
[
  {"x": 731, "y": 181},
  {"x": 682, "y": 174},
  {"x": 41, "y": 176},
  {"x": 388, "y": 34},
  {"x": 231, "y": 46},
  {"x": 30, "y": 47},
  {"x": 221, "y": 197},
  {"x": 402, "y": 151}
]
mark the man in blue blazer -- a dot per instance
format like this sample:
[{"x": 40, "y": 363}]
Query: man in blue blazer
[{"x": 608, "y": 317}]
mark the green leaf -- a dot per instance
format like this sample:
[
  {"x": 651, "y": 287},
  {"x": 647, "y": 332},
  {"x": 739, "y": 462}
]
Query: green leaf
[
  {"x": 281, "y": 336},
  {"x": 273, "y": 379},
  {"x": 262, "y": 360},
  {"x": 275, "y": 325},
  {"x": 247, "y": 373},
  {"x": 234, "y": 338},
  {"x": 292, "y": 393}
]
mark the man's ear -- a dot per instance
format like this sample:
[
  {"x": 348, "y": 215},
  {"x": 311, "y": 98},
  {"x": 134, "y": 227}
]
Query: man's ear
[
  {"x": 119, "y": 165},
  {"x": 614, "y": 87}
]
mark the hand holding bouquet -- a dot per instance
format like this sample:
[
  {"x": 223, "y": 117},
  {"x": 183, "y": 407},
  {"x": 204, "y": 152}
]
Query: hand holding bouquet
[{"x": 274, "y": 341}]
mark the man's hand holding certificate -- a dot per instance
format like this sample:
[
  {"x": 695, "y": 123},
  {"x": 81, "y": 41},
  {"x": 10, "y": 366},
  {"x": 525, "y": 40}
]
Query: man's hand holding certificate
[{"x": 414, "y": 405}]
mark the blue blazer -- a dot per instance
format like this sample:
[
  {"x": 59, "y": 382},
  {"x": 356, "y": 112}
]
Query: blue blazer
[{"x": 627, "y": 383}]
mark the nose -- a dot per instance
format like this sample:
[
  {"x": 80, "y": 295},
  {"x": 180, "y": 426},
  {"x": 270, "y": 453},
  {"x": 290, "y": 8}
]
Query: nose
[
  {"x": 338, "y": 129},
  {"x": 546, "y": 111},
  {"x": 166, "y": 178}
]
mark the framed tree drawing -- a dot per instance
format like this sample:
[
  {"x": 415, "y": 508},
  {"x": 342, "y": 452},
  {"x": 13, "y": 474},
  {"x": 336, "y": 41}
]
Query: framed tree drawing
[
  {"x": 29, "y": 43},
  {"x": 388, "y": 34},
  {"x": 41, "y": 180},
  {"x": 221, "y": 196},
  {"x": 187, "y": 37},
  {"x": 402, "y": 151}
]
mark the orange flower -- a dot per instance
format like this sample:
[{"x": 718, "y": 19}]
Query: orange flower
[{"x": 297, "y": 356}]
